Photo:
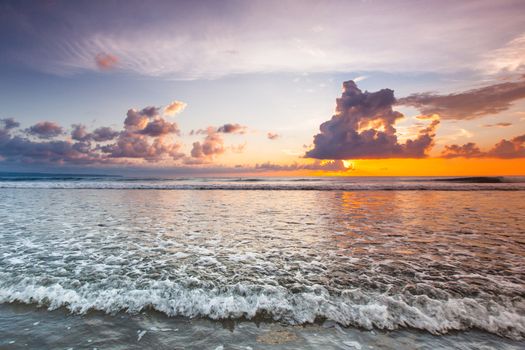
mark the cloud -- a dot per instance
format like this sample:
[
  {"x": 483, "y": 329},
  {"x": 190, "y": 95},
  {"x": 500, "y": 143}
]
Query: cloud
[
  {"x": 146, "y": 137},
  {"x": 497, "y": 125},
  {"x": 232, "y": 129},
  {"x": 360, "y": 78},
  {"x": 45, "y": 130},
  {"x": 9, "y": 123},
  {"x": 363, "y": 127},
  {"x": 21, "y": 149},
  {"x": 211, "y": 146},
  {"x": 506, "y": 149},
  {"x": 510, "y": 58},
  {"x": 332, "y": 165},
  {"x": 174, "y": 107},
  {"x": 104, "y": 134},
  {"x": 132, "y": 145},
  {"x": 159, "y": 127},
  {"x": 79, "y": 133},
  {"x": 105, "y": 61},
  {"x": 468, "y": 150},
  {"x": 272, "y": 136},
  {"x": 149, "y": 122},
  {"x": 213, "y": 143},
  {"x": 183, "y": 40},
  {"x": 471, "y": 104}
]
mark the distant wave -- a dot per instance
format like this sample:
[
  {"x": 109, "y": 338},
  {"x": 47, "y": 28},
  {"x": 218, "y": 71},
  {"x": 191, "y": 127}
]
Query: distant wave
[
  {"x": 477, "y": 179},
  {"x": 141, "y": 185},
  {"x": 72, "y": 181}
]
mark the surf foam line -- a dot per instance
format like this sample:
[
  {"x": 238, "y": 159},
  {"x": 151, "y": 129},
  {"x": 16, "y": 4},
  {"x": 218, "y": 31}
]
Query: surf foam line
[
  {"x": 348, "y": 187},
  {"x": 351, "y": 308}
]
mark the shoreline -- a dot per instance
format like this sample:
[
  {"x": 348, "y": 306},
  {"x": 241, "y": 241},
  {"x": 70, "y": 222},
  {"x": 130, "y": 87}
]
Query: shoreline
[{"x": 29, "y": 327}]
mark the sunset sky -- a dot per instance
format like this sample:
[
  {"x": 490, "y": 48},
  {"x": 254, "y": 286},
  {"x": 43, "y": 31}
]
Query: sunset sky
[{"x": 263, "y": 87}]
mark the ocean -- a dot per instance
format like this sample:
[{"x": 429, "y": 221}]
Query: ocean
[{"x": 98, "y": 262}]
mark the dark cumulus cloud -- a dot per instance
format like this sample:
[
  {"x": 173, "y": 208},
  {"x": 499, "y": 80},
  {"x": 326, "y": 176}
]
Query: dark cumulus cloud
[
  {"x": 45, "y": 130},
  {"x": 505, "y": 149},
  {"x": 363, "y": 126},
  {"x": 469, "y": 104}
]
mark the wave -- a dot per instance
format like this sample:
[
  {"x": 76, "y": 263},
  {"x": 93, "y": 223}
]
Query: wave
[
  {"x": 351, "y": 308},
  {"x": 53, "y": 181},
  {"x": 477, "y": 179},
  {"x": 141, "y": 185}
]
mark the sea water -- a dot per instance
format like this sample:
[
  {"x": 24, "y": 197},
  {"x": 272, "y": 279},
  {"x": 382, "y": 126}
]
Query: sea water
[{"x": 335, "y": 263}]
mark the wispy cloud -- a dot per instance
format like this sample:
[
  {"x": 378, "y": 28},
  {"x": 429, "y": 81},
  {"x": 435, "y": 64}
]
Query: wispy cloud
[
  {"x": 507, "y": 59},
  {"x": 471, "y": 104},
  {"x": 185, "y": 40}
]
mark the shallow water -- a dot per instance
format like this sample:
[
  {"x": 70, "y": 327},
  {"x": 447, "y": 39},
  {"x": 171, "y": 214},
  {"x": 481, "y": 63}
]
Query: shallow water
[
  {"x": 436, "y": 261},
  {"x": 25, "y": 327}
]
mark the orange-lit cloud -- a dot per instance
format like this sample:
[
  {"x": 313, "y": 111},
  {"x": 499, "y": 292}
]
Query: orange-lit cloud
[
  {"x": 363, "y": 126},
  {"x": 174, "y": 107},
  {"x": 325, "y": 165},
  {"x": 106, "y": 61}
]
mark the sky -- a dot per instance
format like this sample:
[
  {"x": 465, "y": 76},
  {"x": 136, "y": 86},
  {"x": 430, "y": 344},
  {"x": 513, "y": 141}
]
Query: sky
[{"x": 352, "y": 88}]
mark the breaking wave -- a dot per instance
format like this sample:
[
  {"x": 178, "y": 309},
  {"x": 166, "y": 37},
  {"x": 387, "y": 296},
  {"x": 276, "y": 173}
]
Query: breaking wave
[{"x": 351, "y": 308}]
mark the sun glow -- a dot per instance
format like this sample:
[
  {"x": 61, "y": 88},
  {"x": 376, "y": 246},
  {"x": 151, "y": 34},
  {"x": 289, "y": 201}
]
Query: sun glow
[{"x": 348, "y": 164}]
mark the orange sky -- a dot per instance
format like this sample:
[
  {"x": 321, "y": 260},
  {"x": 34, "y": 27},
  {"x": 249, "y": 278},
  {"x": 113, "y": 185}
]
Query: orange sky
[{"x": 424, "y": 167}]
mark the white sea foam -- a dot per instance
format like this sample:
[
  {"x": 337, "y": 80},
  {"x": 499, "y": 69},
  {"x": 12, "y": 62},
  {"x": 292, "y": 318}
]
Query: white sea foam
[
  {"x": 366, "y": 259},
  {"x": 272, "y": 184},
  {"x": 353, "y": 308}
]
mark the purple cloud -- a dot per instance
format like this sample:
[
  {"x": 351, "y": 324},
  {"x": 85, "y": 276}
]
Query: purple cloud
[
  {"x": 363, "y": 127},
  {"x": 102, "y": 134},
  {"x": 45, "y": 130},
  {"x": 506, "y": 149},
  {"x": 211, "y": 146},
  {"x": 146, "y": 136},
  {"x": 469, "y": 104},
  {"x": 9, "y": 123},
  {"x": 232, "y": 129},
  {"x": 334, "y": 165}
]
